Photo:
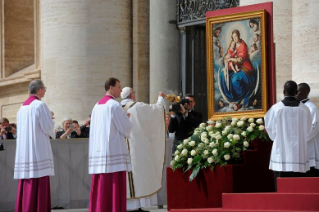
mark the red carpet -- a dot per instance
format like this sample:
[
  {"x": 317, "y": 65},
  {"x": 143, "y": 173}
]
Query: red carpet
[{"x": 294, "y": 194}]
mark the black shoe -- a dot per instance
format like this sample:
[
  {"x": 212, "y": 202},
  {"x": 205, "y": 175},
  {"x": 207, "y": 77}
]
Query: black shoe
[{"x": 139, "y": 210}]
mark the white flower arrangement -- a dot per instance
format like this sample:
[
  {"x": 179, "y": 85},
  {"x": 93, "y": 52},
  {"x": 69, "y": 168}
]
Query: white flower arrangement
[{"x": 217, "y": 143}]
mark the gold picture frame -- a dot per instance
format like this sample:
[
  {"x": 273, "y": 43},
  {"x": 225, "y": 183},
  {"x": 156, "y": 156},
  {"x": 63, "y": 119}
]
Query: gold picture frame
[{"x": 236, "y": 75}]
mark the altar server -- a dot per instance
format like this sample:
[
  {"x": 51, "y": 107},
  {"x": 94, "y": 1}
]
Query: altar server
[
  {"x": 33, "y": 159},
  {"x": 147, "y": 149},
  {"x": 109, "y": 159},
  {"x": 288, "y": 123},
  {"x": 313, "y": 137}
]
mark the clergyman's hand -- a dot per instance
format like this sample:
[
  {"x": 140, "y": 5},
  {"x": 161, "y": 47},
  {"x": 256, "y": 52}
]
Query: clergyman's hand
[{"x": 161, "y": 94}]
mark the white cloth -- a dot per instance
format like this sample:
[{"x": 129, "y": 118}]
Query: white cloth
[
  {"x": 147, "y": 148},
  {"x": 288, "y": 127},
  {"x": 313, "y": 136},
  {"x": 108, "y": 151},
  {"x": 33, "y": 153},
  {"x": 134, "y": 204}
]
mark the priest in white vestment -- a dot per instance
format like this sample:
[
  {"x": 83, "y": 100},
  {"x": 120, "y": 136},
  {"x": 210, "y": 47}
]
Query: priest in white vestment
[
  {"x": 288, "y": 123},
  {"x": 147, "y": 149},
  {"x": 109, "y": 159},
  {"x": 313, "y": 137},
  {"x": 33, "y": 159}
]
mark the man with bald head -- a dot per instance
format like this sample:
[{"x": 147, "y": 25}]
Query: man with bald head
[
  {"x": 313, "y": 137},
  {"x": 288, "y": 123}
]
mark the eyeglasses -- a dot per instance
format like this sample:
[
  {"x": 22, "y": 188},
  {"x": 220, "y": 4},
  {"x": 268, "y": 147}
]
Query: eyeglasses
[{"x": 44, "y": 88}]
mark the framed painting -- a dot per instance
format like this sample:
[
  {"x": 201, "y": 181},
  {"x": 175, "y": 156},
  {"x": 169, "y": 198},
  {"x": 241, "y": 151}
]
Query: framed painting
[{"x": 236, "y": 65}]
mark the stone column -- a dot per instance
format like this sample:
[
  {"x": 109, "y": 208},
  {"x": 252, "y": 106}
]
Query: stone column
[
  {"x": 164, "y": 48},
  {"x": 282, "y": 22},
  {"x": 141, "y": 49},
  {"x": 83, "y": 44},
  {"x": 305, "y": 39}
]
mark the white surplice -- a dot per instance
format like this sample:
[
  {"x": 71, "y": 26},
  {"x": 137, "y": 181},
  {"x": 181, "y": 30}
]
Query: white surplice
[
  {"x": 33, "y": 157},
  {"x": 147, "y": 150},
  {"x": 108, "y": 151},
  {"x": 288, "y": 127},
  {"x": 313, "y": 136}
]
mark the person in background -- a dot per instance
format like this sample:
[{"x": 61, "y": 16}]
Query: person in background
[
  {"x": 288, "y": 123},
  {"x": 7, "y": 131},
  {"x": 85, "y": 128},
  {"x": 70, "y": 130}
]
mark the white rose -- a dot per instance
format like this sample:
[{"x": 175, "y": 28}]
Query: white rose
[
  {"x": 230, "y": 136},
  {"x": 176, "y": 152},
  {"x": 261, "y": 127},
  {"x": 209, "y": 128},
  {"x": 227, "y": 145},
  {"x": 196, "y": 132},
  {"x": 236, "y": 137},
  {"x": 240, "y": 123},
  {"x": 172, "y": 163},
  {"x": 212, "y": 144},
  {"x": 193, "y": 153},
  {"x": 233, "y": 123},
  {"x": 206, "y": 141},
  {"x": 184, "y": 152},
  {"x": 227, "y": 157},
  {"x": 251, "y": 120},
  {"x": 246, "y": 144},
  {"x": 259, "y": 121},
  {"x": 192, "y": 143},
  {"x": 218, "y": 125},
  {"x": 197, "y": 129},
  {"x": 243, "y": 118},
  {"x": 234, "y": 119},
  {"x": 206, "y": 152},
  {"x": 215, "y": 152},
  {"x": 210, "y": 159},
  {"x": 189, "y": 161},
  {"x": 224, "y": 132},
  {"x": 250, "y": 129},
  {"x": 228, "y": 128},
  {"x": 218, "y": 137},
  {"x": 204, "y": 134},
  {"x": 252, "y": 124},
  {"x": 202, "y": 125},
  {"x": 180, "y": 146},
  {"x": 201, "y": 145},
  {"x": 176, "y": 157},
  {"x": 210, "y": 122},
  {"x": 243, "y": 134},
  {"x": 185, "y": 141}
]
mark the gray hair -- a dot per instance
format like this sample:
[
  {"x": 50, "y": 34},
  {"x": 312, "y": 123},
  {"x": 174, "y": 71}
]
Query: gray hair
[
  {"x": 35, "y": 85},
  {"x": 64, "y": 120}
]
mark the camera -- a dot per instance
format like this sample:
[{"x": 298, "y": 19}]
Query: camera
[
  {"x": 8, "y": 129},
  {"x": 176, "y": 108}
]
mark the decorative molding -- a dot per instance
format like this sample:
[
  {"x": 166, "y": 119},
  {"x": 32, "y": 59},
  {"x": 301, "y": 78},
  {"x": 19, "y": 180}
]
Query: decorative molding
[{"x": 191, "y": 12}]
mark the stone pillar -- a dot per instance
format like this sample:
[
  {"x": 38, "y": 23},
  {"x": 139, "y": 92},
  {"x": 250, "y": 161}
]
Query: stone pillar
[
  {"x": 83, "y": 44},
  {"x": 282, "y": 22},
  {"x": 164, "y": 48},
  {"x": 141, "y": 49},
  {"x": 305, "y": 39}
]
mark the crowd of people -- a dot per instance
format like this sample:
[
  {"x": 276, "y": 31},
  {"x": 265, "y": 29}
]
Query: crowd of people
[
  {"x": 126, "y": 164},
  {"x": 70, "y": 129}
]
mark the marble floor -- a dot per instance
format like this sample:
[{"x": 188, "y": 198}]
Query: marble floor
[{"x": 151, "y": 209}]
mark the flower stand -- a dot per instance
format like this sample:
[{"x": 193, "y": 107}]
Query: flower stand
[{"x": 205, "y": 191}]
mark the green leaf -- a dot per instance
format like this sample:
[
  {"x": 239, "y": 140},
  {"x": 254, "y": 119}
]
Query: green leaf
[
  {"x": 196, "y": 159},
  {"x": 188, "y": 168},
  {"x": 194, "y": 173}
]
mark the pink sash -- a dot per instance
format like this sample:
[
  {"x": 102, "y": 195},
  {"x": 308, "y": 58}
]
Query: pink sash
[
  {"x": 30, "y": 99},
  {"x": 105, "y": 99}
]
